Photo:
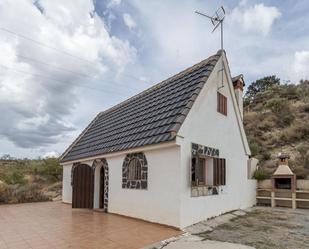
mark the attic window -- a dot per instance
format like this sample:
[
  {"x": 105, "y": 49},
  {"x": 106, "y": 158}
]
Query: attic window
[{"x": 221, "y": 104}]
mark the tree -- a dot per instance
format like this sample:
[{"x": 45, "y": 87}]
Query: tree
[{"x": 261, "y": 85}]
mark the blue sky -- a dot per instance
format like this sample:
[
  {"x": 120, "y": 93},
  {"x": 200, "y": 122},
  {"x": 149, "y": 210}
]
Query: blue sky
[{"x": 62, "y": 62}]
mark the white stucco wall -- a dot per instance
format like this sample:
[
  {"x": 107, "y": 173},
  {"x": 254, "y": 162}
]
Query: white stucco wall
[
  {"x": 161, "y": 201},
  {"x": 66, "y": 184},
  {"x": 205, "y": 126}
]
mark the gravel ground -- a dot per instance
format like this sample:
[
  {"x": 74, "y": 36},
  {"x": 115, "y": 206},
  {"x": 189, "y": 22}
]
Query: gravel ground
[{"x": 265, "y": 228}]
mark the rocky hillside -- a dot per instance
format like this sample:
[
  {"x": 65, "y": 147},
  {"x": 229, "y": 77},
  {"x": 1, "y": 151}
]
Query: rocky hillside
[{"x": 276, "y": 118}]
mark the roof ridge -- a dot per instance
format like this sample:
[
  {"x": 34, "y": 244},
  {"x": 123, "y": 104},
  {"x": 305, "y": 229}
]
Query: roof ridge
[{"x": 205, "y": 61}]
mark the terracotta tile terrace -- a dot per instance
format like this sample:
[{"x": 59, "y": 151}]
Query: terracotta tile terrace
[{"x": 57, "y": 225}]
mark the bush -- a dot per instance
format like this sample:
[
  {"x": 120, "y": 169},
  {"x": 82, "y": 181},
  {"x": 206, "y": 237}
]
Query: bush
[
  {"x": 303, "y": 157},
  {"x": 289, "y": 92},
  {"x": 15, "y": 177},
  {"x": 259, "y": 174},
  {"x": 297, "y": 132},
  {"x": 10, "y": 194},
  {"x": 277, "y": 105},
  {"x": 50, "y": 169},
  {"x": 281, "y": 109},
  {"x": 303, "y": 90},
  {"x": 255, "y": 148}
]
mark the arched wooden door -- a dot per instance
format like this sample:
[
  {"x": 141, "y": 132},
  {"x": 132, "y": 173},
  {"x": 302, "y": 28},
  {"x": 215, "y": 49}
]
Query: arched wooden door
[{"x": 83, "y": 187}]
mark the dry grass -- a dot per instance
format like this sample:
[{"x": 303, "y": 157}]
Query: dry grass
[{"x": 29, "y": 180}]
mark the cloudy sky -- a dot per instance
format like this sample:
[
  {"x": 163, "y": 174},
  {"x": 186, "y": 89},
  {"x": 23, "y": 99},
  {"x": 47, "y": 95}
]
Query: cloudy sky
[{"x": 62, "y": 62}]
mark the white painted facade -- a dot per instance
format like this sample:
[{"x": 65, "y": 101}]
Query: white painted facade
[
  {"x": 159, "y": 203},
  {"x": 168, "y": 199},
  {"x": 205, "y": 126}
]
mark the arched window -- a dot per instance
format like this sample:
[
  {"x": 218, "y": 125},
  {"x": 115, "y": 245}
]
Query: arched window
[{"x": 134, "y": 169}]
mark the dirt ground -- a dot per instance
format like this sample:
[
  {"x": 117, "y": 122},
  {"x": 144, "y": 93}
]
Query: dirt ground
[{"x": 266, "y": 228}]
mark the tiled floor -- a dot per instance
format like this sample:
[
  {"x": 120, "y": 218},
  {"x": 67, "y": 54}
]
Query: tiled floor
[{"x": 56, "y": 225}]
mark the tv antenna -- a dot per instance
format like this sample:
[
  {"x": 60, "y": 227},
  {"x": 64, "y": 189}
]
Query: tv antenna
[{"x": 217, "y": 20}]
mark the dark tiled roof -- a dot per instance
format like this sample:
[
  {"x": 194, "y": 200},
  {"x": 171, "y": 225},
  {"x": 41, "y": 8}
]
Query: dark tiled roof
[{"x": 153, "y": 116}]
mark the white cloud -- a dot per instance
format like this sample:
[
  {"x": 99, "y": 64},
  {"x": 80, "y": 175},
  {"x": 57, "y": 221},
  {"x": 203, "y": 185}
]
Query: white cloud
[
  {"x": 254, "y": 19},
  {"x": 129, "y": 21},
  {"x": 51, "y": 154},
  {"x": 36, "y": 109},
  {"x": 300, "y": 65}
]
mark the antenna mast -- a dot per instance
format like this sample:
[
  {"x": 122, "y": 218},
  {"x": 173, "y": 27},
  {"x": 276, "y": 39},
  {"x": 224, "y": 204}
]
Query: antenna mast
[{"x": 217, "y": 20}]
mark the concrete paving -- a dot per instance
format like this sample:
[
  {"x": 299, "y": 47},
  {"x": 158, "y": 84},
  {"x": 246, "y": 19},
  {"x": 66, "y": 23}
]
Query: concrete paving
[
  {"x": 186, "y": 241},
  {"x": 206, "y": 244},
  {"x": 209, "y": 225},
  {"x": 189, "y": 239}
]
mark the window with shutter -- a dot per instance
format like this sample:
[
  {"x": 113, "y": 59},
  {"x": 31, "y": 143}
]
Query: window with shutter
[
  {"x": 219, "y": 172},
  {"x": 221, "y": 104}
]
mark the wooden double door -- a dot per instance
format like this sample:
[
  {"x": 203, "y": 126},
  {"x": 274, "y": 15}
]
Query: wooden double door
[{"x": 83, "y": 187}]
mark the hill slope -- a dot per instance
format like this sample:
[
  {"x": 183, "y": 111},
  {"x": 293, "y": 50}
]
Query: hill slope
[
  {"x": 25, "y": 180},
  {"x": 276, "y": 118}
]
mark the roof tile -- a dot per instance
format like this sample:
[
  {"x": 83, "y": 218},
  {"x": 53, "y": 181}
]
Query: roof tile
[{"x": 147, "y": 118}]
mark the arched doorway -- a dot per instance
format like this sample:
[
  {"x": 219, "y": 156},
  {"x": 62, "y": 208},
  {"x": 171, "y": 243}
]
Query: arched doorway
[
  {"x": 83, "y": 186},
  {"x": 100, "y": 184}
]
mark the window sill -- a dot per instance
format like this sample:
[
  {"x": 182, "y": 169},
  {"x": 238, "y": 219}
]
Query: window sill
[{"x": 205, "y": 190}]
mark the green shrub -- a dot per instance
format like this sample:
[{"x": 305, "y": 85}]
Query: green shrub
[
  {"x": 255, "y": 148},
  {"x": 259, "y": 174},
  {"x": 50, "y": 169},
  {"x": 277, "y": 105},
  {"x": 15, "y": 176},
  {"x": 281, "y": 109},
  {"x": 289, "y": 92}
]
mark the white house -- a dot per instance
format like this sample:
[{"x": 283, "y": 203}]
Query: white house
[{"x": 174, "y": 154}]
